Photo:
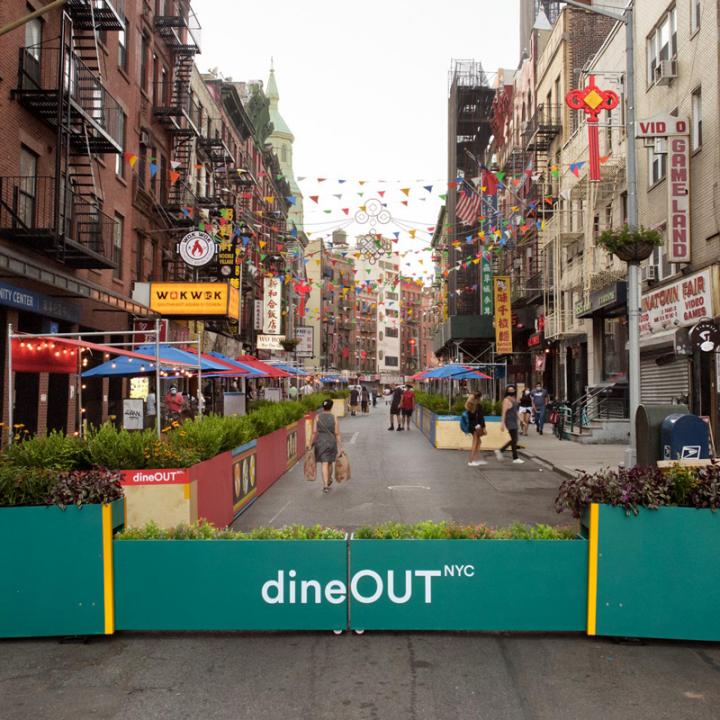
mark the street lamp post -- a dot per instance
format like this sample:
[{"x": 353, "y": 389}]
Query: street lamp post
[{"x": 633, "y": 293}]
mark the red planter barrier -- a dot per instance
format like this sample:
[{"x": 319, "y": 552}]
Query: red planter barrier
[{"x": 214, "y": 479}]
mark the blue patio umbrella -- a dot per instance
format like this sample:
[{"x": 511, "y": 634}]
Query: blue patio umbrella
[{"x": 291, "y": 369}]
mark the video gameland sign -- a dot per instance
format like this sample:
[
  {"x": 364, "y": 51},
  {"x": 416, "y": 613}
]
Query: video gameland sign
[{"x": 195, "y": 299}]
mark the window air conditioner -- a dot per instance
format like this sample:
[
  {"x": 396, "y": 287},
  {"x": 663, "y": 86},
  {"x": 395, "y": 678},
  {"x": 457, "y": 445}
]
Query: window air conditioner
[
  {"x": 665, "y": 72},
  {"x": 649, "y": 273}
]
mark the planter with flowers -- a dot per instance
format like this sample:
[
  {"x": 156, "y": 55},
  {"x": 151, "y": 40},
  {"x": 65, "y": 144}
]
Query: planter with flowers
[
  {"x": 56, "y": 528},
  {"x": 654, "y": 543}
]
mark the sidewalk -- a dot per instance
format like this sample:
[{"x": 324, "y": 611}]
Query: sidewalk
[{"x": 567, "y": 457}]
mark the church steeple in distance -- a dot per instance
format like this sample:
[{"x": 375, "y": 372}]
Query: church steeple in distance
[{"x": 282, "y": 140}]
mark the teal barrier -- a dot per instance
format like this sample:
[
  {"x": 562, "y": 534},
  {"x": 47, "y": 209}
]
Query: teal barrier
[
  {"x": 515, "y": 585},
  {"x": 231, "y": 584},
  {"x": 659, "y": 573},
  {"x": 55, "y": 570}
]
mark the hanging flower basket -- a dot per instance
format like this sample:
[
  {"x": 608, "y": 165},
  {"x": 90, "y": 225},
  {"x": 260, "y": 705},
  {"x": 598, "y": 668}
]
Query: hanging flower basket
[
  {"x": 289, "y": 345},
  {"x": 630, "y": 245}
]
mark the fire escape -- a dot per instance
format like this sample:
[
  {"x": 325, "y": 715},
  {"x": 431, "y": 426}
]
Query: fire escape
[
  {"x": 60, "y": 82},
  {"x": 175, "y": 105}
]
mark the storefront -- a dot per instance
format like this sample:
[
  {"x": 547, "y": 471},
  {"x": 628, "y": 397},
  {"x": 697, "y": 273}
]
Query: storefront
[
  {"x": 670, "y": 371},
  {"x": 607, "y": 308}
]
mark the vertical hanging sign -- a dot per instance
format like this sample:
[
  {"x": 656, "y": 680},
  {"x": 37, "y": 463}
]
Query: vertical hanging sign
[
  {"x": 486, "y": 284},
  {"x": 272, "y": 306},
  {"x": 503, "y": 315}
]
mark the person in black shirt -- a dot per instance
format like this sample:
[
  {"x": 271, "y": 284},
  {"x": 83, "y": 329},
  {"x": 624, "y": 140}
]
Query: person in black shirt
[
  {"x": 525, "y": 410},
  {"x": 477, "y": 427},
  {"x": 395, "y": 408}
]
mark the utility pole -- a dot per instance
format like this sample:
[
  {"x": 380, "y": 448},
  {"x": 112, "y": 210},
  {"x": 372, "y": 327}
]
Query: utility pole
[
  {"x": 633, "y": 294},
  {"x": 31, "y": 16}
]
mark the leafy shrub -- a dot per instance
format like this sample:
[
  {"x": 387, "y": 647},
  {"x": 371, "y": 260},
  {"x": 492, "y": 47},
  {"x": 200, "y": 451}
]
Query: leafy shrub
[
  {"x": 85, "y": 487},
  {"x": 438, "y": 404},
  {"x": 428, "y": 530},
  {"x": 639, "y": 487},
  {"x": 206, "y": 531},
  {"x": 119, "y": 449},
  {"x": 25, "y": 485},
  {"x": 54, "y": 452}
]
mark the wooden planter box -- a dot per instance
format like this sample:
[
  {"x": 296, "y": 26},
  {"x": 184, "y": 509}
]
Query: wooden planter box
[
  {"x": 56, "y": 570},
  {"x": 230, "y": 584},
  {"x": 654, "y": 575},
  {"x": 218, "y": 489},
  {"x": 444, "y": 433},
  {"x": 480, "y": 585}
]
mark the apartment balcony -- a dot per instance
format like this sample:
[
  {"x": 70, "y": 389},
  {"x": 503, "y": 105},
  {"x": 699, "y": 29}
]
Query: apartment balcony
[
  {"x": 564, "y": 324},
  {"x": 177, "y": 24},
  {"x": 97, "y": 14},
  {"x": 74, "y": 97},
  {"x": 176, "y": 108},
  {"x": 181, "y": 203},
  {"x": 526, "y": 289},
  {"x": 544, "y": 126},
  {"x": 79, "y": 235}
]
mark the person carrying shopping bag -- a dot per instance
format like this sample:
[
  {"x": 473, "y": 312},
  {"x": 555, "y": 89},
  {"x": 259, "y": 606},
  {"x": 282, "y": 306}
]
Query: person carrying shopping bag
[{"x": 327, "y": 442}]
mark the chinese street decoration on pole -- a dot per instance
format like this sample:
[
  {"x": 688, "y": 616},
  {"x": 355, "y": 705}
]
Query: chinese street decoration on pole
[
  {"x": 503, "y": 315},
  {"x": 486, "y": 283},
  {"x": 592, "y": 100}
]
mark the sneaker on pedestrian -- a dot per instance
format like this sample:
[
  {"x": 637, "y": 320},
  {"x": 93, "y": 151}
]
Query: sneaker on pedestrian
[
  {"x": 498, "y": 455},
  {"x": 391, "y": 428},
  {"x": 475, "y": 463},
  {"x": 518, "y": 461},
  {"x": 399, "y": 429}
]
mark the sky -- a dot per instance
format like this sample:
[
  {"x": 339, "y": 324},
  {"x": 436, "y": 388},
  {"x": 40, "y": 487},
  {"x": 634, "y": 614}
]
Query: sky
[{"x": 364, "y": 89}]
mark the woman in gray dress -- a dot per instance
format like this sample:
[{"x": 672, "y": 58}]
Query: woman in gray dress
[{"x": 327, "y": 441}]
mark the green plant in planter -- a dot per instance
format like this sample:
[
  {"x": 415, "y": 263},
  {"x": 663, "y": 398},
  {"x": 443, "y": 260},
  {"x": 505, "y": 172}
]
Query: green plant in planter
[
  {"x": 630, "y": 245},
  {"x": 54, "y": 452},
  {"x": 290, "y": 344}
]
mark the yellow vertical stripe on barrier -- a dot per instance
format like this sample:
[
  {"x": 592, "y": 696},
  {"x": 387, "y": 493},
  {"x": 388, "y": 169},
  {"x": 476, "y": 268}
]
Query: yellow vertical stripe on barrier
[
  {"x": 108, "y": 583},
  {"x": 593, "y": 570}
]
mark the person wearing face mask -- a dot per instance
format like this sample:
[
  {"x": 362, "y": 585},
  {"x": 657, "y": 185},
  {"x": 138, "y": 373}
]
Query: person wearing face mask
[
  {"x": 525, "y": 410},
  {"x": 509, "y": 422},
  {"x": 174, "y": 402}
]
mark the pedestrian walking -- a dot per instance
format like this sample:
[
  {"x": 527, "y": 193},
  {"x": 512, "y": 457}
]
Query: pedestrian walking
[
  {"x": 387, "y": 394},
  {"x": 476, "y": 425},
  {"x": 539, "y": 402},
  {"x": 354, "y": 400},
  {"x": 326, "y": 441},
  {"x": 365, "y": 401},
  {"x": 395, "y": 400},
  {"x": 525, "y": 410},
  {"x": 509, "y": 422},
  {"x": 407, "y": 405},
  {"x": 374, "y": 395}
]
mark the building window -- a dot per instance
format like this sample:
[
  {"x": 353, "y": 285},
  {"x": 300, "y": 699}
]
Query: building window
[
  {"x": 657, "y": 166},
  {"x": 664, "y": 268},
  {"x": 119, "y": 157},
  {"x": 142, "y": 167},
  {"x": 118, "y": 245},
  {"x": 661, "y": 43},
  {"x": 695, "y": 14},
  {"x": 123, "y": 46},
  {"x": 140, "y": 257},
  {"x": 144, "y": 50},
  {"x": 697, "y": 119},
  {"x": 615, "y": 356},
  {"x": 391, "y": 361},
  {"x": 27, "y": 187},
  {"x": 391, "y": 332},
  {"x": 153, "y": 171}
]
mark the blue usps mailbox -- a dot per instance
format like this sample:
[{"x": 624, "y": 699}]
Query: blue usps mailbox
[{"x": 684, "y": 437}]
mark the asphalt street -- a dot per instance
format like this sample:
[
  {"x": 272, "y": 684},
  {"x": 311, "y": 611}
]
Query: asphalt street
[
  {"x": 370, "y": 677},
  {"x": 400, "y": 476}
]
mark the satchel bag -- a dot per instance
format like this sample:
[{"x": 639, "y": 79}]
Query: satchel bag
[
  {"x": 342, "y": 468},
  {"x": 310, "y": 464}
]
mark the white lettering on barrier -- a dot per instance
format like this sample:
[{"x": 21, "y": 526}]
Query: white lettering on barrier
[{"x": 284, "y": 590}]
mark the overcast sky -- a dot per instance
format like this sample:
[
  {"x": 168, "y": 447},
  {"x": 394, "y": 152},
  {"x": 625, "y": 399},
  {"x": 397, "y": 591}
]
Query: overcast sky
[{"x": 364, "y": 89}]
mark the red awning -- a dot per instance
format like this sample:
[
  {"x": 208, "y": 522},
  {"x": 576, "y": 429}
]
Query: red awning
[
  {"x": 262, "y": 367},
  {"x": 60, "y": 355}
]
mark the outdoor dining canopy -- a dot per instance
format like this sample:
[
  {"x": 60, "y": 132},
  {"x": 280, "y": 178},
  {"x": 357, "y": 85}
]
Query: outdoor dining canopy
[
  {"x": 172, "y": 360},
  {"x": 232, "y": 368},
  {"x": 297, "y": 372},
  {"x": 453, "y": 371}
]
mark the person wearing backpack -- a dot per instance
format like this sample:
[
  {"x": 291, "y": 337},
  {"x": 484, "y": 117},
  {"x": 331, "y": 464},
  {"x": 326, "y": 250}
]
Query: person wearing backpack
[{"x": 472, "y": 422}]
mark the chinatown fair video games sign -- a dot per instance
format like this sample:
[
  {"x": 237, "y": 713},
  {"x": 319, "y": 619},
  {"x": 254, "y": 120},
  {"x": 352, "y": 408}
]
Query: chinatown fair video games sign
[
  {"x": 272, "y": 306},
  {"x": 680, "y": 304},
  {"x": 677, "y": 132}
]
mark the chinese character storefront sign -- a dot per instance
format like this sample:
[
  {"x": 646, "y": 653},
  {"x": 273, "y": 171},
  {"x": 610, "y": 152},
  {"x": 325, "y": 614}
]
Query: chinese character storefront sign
[
  {"x": 272, "y": 306},
  {"x": 503, "y": 315},
  {"x": 486, "y": 299},
  {"x": 592, "y": 100}
]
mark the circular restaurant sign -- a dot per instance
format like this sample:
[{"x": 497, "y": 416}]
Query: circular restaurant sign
[
  {"x": 197, "y": 248},
  {"x": 705, "y": 336}
]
